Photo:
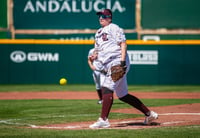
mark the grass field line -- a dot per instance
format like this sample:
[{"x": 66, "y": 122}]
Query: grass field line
[
  {"x": 13, "y": 122},
  {"x": 113, "y": 123},
  {"x": 173, "y": 122},
  {"x": 57, "y": 127},
  {"x": 193, "y": 126},
  {"x": 10, "y": 122},
  {"x": 180, "y": 114},
  {"x": 82, "y": 125}
]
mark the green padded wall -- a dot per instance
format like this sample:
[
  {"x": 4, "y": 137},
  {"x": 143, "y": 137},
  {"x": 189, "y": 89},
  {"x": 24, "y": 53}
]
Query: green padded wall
[{"x": 171, "y": 14}]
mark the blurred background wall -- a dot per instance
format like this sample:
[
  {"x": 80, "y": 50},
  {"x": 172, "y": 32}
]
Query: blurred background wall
[{"x": 26, "y": 60}]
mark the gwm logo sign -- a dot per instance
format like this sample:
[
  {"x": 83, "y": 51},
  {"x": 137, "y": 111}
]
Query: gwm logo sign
[{"x": 20, "y": 56}]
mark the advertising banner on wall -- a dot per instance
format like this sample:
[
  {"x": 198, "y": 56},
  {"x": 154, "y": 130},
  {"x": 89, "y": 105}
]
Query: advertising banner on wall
[
  {"x": 70, "y": 14},
  {"x": 46, "y": 64}
]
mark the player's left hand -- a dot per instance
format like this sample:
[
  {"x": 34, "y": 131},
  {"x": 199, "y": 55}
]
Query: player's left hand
[
  {"x": 123, "y": 65},
  {"x": 117, "y": 72}
]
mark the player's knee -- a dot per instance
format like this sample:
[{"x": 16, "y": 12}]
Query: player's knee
[
  {"x": 106, "y": 90},
  {"x": 124, "y": 98}
]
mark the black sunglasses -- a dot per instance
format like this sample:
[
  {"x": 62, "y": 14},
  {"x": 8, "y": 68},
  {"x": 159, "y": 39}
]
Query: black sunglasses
[{"x": 104, "y": 16}]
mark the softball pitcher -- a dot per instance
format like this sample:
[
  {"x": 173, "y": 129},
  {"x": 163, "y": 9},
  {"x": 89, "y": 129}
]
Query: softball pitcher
[{"x": 110, "y": 43}]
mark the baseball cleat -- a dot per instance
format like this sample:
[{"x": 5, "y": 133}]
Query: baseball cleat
[
  {"x": 153, "y": 116},
  {"x": 100, "y": 124},
  {"x": 99, "y": 102}
]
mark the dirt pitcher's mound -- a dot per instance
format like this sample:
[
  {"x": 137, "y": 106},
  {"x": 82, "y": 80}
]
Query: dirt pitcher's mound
[{"x": 187, "y": 114}]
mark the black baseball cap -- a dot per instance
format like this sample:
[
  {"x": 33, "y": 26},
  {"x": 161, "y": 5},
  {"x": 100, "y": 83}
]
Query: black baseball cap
[{"x": 106, "y": 12}]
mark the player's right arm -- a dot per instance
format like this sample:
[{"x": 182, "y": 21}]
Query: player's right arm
[{"x": 90, "y": 61}]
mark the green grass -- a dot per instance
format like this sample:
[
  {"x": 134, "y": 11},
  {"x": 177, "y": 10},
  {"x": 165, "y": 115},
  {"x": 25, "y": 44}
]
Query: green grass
[
  {"x": 15, "y": 115},
  {"x": 70, "y": 87},
  {"x": 167, "y": 132},
  {"x": 39, "y": 112}
]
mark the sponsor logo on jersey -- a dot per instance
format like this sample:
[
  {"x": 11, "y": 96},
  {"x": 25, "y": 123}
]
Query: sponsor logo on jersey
[
  {"x": 143, "y": 57},
  {"x": 72, "y": 6},
  {"x": 20, "y": 57}
]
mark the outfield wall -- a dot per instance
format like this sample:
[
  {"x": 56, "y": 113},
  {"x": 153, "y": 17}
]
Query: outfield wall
[
  {"x": 66, "y": 19},
  {"x": 46, "y": 61},
  {"x": 170, "y": 14},
  {"x": 76, "y": 14}
]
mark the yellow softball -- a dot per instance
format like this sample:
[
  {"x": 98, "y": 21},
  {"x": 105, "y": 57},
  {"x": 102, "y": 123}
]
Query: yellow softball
[{"x": 63, "y": 81}]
